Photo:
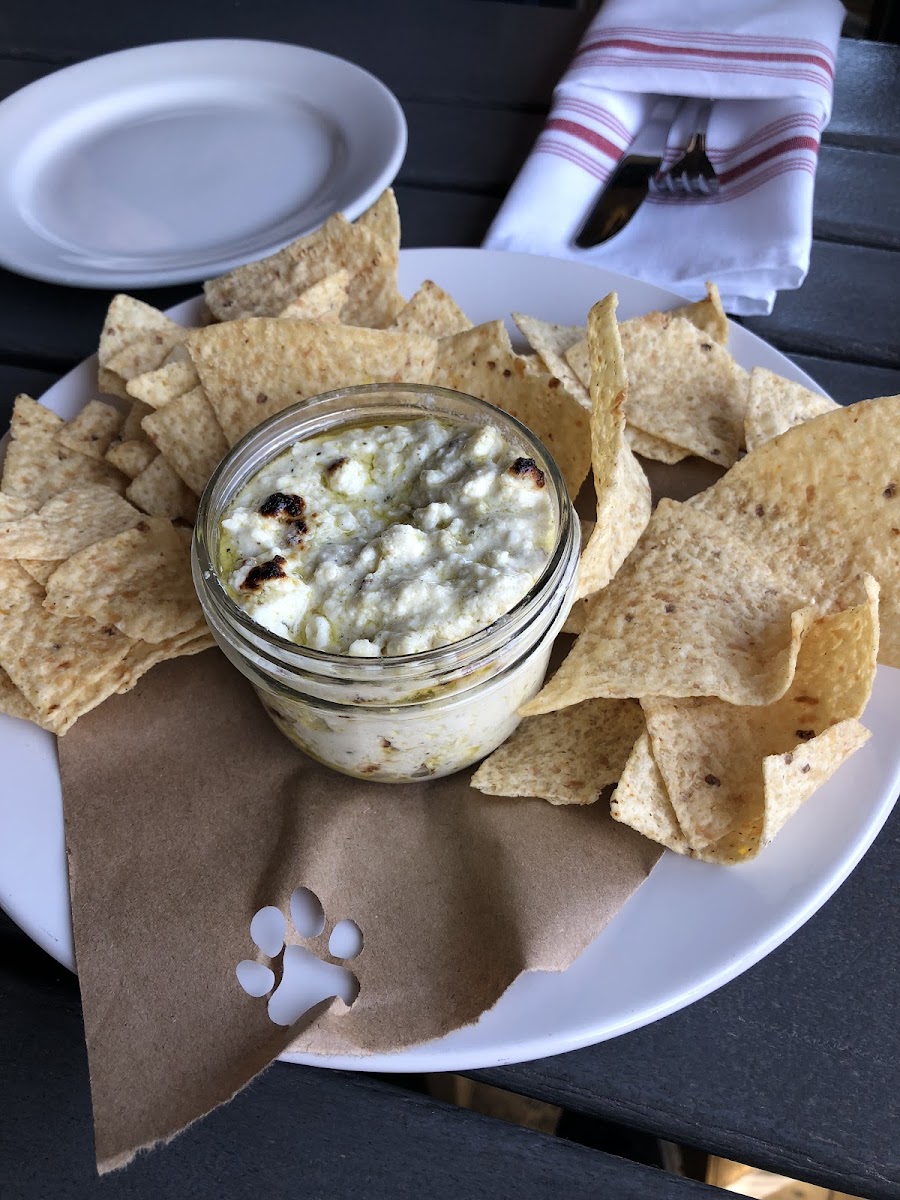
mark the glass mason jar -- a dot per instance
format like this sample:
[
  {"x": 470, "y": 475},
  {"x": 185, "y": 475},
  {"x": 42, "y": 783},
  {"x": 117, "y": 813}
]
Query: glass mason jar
[{"x": 403, "y": 718}]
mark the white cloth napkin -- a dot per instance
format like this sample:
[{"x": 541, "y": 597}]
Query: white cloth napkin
[{"x": 768, "y": 65}]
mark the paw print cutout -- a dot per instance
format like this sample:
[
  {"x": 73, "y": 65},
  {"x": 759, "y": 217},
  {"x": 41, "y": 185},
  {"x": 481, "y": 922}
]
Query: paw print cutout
[{"x": 307, "y": 978}]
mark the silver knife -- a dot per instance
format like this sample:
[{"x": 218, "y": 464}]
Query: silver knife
[{"x": 627, "y": 187}]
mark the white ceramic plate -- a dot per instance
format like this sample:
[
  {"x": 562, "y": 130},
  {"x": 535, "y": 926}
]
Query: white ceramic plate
[
  {"x": 688, "y": 930},
  {"x": 175, "y": 162}
]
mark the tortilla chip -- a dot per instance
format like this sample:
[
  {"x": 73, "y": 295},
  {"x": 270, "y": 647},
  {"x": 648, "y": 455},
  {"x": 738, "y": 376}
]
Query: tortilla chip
[
  {"x": 324, "y": 301},
  {"x": 161, "y": 492},
  {"x": 641, "y": 799},
  {"x": 31, "y": 421},
  {"x": 62, "y": 666},
  {"x": 479, "y": 362},
  {"x": 110, "y": 384},
  {"x": 551, "y": 343},
  {"x": 708, "y": 315},
  {"x": 373, "y": 300},
  {"x": 642, "y": 802},
  {"x": 187, "y": 433},
  {"x": 13, "y": 703},
  {"x": 37, "y": 465},
  {"x": 579, "y": 362},
  {"x": 93, "y": 431},
  {"x": 139, "y": 581},
  {"x": 577, "y": 617},
  {"x": 254, "y": 368},
  {"x": 431, "y": 310},
  {"x": 789, "y": 781},
  {"x": 684, "y": 388},
  {"x": 652, "y": 447},
  {"x": 143, "y": 656},
  {"x": 131, "y": 457},
  {"x": 40, "y": 569},
  {"x": 132, "y": 430},
  {"x": 265, "y": 287},
  {"x": 586, "y": 528},
  {"x": 382, "y": 221},
  {"x": 173, "y": 379},
  {"x": 788, "y": 787},
  {"x": 126, "y": 321},
  {"x": 716, "y": 759},
  {"x": 136, "y": 337},
  {"x": 565, "y": 757},
  {"x": 532, "y": 364},
  {"x": 575, "y": 621},
  {"x": 623, "y": 493},
  {"x": 578, "y": 359},
  {"x": 67, "y": 523},
  {"x": 776, "y": 405},
  {"x": 821, "y": 503},
  {"x": 13, "y": 507},
  {"x": 179, "y": 352},
  {"x": 691, "y": 613}
]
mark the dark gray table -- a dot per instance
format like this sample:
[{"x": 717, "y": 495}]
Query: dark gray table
[{"x": 793, "y": 1066}]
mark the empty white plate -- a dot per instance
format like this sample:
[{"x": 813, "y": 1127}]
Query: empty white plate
[{"x": 174, "y": 162}]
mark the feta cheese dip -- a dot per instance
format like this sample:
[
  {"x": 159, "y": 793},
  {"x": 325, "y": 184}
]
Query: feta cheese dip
[
  {"x": 389, "y": 566},
  {"x": 386, "y": 540}
]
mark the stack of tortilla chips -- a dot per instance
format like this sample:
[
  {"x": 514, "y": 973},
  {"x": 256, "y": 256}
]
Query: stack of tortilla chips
[
  {"x": 93, "y": 591},
  {"x": 721, "y": 668}
]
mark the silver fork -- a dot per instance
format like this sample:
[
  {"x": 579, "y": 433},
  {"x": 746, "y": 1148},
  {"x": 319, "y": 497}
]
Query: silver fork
[{"x": 692, "y": 174}]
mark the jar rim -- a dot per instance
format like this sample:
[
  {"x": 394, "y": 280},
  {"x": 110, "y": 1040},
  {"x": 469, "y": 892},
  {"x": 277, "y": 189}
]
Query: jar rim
[{"x": 343, "y": 404}]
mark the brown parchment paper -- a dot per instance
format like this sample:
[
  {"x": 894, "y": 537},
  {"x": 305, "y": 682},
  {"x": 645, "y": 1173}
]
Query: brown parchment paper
[{"x": 186, "y": 811}]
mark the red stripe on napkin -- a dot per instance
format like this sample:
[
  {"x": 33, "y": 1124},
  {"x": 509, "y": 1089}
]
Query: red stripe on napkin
[
  {"x": 762, "y": 56},
  {"x": 785, "y": 147},
  {"x": 550, "y": 145},
  {"x": 604, "y": 145},
  {"x": 594, "y": 112},
  {"x": 598, "y": 58},
  {"x": 751, "y": 41},
  {"x": 794, "y": 124}
]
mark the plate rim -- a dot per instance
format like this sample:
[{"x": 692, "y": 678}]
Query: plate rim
[{"x": 80, "y": 276}]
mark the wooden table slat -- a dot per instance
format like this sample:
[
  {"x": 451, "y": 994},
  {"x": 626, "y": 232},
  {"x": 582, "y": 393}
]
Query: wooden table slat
[
  {"x": 416, "y": 49},
  {"x": 866, "y": 84},
  {"x": 424, "y": 50},
  {"x": 848, "y": 307},
  {"x": 847, "y": 382},
  {"x": 856, "y": 197}
]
